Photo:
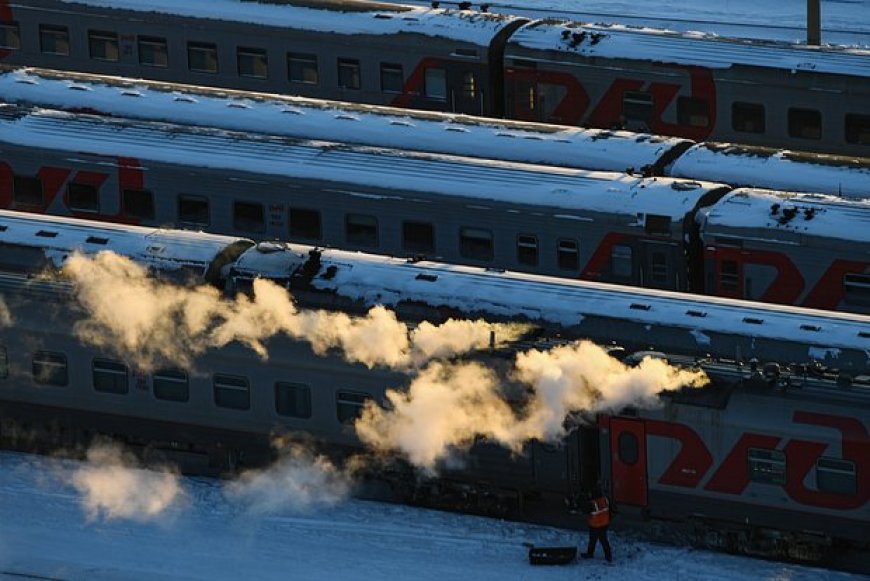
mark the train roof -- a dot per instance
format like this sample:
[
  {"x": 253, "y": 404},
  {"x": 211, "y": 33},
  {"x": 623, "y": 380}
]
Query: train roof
[
  {"x": 346, "y": 17},
  {"x": 625, "y": 42},
  {"x": 799, "y": 214},
  {"x": 305, "y": 118},
  {"x": 777, "y": 169},
  {"x": 164, "y": 250},
  {"x": 566, "y": 302},
  {"x": 390, "y": 172}
]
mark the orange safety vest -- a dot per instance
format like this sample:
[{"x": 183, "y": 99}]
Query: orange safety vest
[{"x": 599, "y": 516}]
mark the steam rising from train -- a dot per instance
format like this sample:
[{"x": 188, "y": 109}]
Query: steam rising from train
[
  {"x": 152, "y": 323},
  {"x": 448, "y": 405}
]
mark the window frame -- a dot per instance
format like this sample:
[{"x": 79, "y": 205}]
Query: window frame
[
  {"x": 836, "y": 468},
  {"x": 468, "y": 247},
  {"x": 766, "y": 466},
  {"x": 226, "y": 388},
  {"x": 392, "y": 71},
  {"x": 55, "y": 32},
  {"x": 527, "y": 244},
  {"x": 744, "y": 117},
  {"x": 109, "y": 41},
  {"x": 625, "y": 256},
  {"x": 354, "y": 68},
  {"x": 155, "y": 42},
  {"x": 300, "y": 214},
  {"x": 350, "y": 399},
  {"x": 52, "y": 360},
  {"x": 361, "y": 230},
  {"x": 10, "y": 31},
  {"x": 692, "y": 110},
  {"x": 73, "y": 200},
  {"x": 170, "y": 376},
  {"x": 303, "y": 60},
  {"x": 632, "y": 101},
  {"x": 32, "y": 182},
  {"x": 190, "y": 199},
  {"x": 860, "y": 134},
  {"x": 563, "y": 252},
  {"x": 126, "y": 196},
  {"x": 798, "y": 116},
  {"x": 205, "y": 50},
  {"x": 110, "y": 368},
  {"x": 257, "y": 57},
  {"x": 410, "y": 245},
  {"x": 305, "y": 389},
  {"x": 435, "y": 88},
  {"x": 241, "y": 223}
]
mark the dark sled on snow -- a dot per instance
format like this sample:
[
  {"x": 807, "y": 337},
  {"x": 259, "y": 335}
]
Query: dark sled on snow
[{"x": 552, "y": 555}]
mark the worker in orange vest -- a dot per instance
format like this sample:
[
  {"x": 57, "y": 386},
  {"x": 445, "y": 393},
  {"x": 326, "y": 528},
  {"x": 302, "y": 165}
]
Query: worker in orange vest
[{"x": 598, "y": 521}]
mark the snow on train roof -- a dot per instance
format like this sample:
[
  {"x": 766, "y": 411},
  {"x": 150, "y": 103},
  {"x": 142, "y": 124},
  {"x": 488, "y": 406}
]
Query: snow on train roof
[
  {"x": 801, "y": 214},
  {"x": 332, "y": 121},
  {"x": 344, "y": 17},
  {"x": 620, "y": 41},
  {"x": 403, "y": 174},
  {"x": 59, "y": 237},
  {"x": 776, "y": 169},
  {"x": 382, "y": 280}
]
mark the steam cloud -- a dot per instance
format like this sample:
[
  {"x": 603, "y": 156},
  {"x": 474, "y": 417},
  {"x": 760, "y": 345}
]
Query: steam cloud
[
  {"x": 297, "y": 482},
  {"x": 152, "y": 322},
  {"x": 448, "y": 406},
  {"x": 114, "y": 486}
]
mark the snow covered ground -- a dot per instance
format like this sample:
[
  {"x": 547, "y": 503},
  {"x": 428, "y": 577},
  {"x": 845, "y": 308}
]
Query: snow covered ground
[
  {"x": 62, "y": 519},
  {"x": 845, "y": 22}
]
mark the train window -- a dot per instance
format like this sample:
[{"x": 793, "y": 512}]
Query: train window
[
  {"x": 153, "y": 51},
  {"x": 4, "y": 363},
  {"x": 621, "y": 261},
  {"x": 627, "y": 448},
  {"x": 110, "y": 376},
  {"x": 138, "y": 204},
  {"x": 171, "y": 385},
  {"x": 192, "y": 209},
  {"x": 568, "y": 254},
  {"x": 693, "y": 111},
  {"x": 435, "y": 83},
  {"x": 857, "y": 289},
  {"x": 418, "y": 237},
  {"x": 232, "y": 391},
  {"x": 249, "y": 217},
  {"x": 293, "y": 400},
  {"x": 747, "y": 117},
  {"x": 54, "y": 39},
  {"x": 729, "y": 275},
  {"x": 304, "y": 224},
  {"x": 202, "y": 57},
  {"x": 527, "y": 249},
  {"x": 23, "y": 259},
  {"x": 836, "y": 476},
  {"x": 83, "y": 197},
  {"x": 302, "y": 68},
  {"x": 858, "y": 129},
  {"x": 349, "y": 405},
  {"x": 392, "y": 78},
  {"x": 475, "y": 243},
  {"x": 27, "y": 191},
  {"x": 349, "y": 74},
  {"x": 252, "y": 62},
  {"x": 10, "y": 36},
  {"x": 657, "y": 224},
  {"x": 103, "y": 46},
  {"x": 50, "y": 368},
  {"x": 361, "y": 229},
  {"x": 469, "y": 84},
  {"x": 659, "y": 267},
  {"x": 637, "y": 106},
  {"x": 804, "y": 123},
  {"x": 767, "y": 466}
]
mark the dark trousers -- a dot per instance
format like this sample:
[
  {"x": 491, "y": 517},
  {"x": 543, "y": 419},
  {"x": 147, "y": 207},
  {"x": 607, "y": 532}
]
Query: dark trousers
[{"x": 597, "y": 534}]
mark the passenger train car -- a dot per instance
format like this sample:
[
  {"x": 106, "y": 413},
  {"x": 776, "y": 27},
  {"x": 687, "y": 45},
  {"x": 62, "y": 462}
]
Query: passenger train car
[
  {"x": 591, "y": 149},
  {"x": 685, "y": 85},
  {"x": 771, "y": 459},
  {"x": 655, "y": 232}
]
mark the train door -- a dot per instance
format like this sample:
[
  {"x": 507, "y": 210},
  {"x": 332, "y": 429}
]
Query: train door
[
  {"x": 661, "y": 266},
  {"x": 467, "y": 92},
  {"x": 628, "y": 461}
]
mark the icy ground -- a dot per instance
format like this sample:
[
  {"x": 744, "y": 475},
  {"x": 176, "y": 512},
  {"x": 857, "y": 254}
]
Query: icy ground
[{"x": 46, "y": 533}]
